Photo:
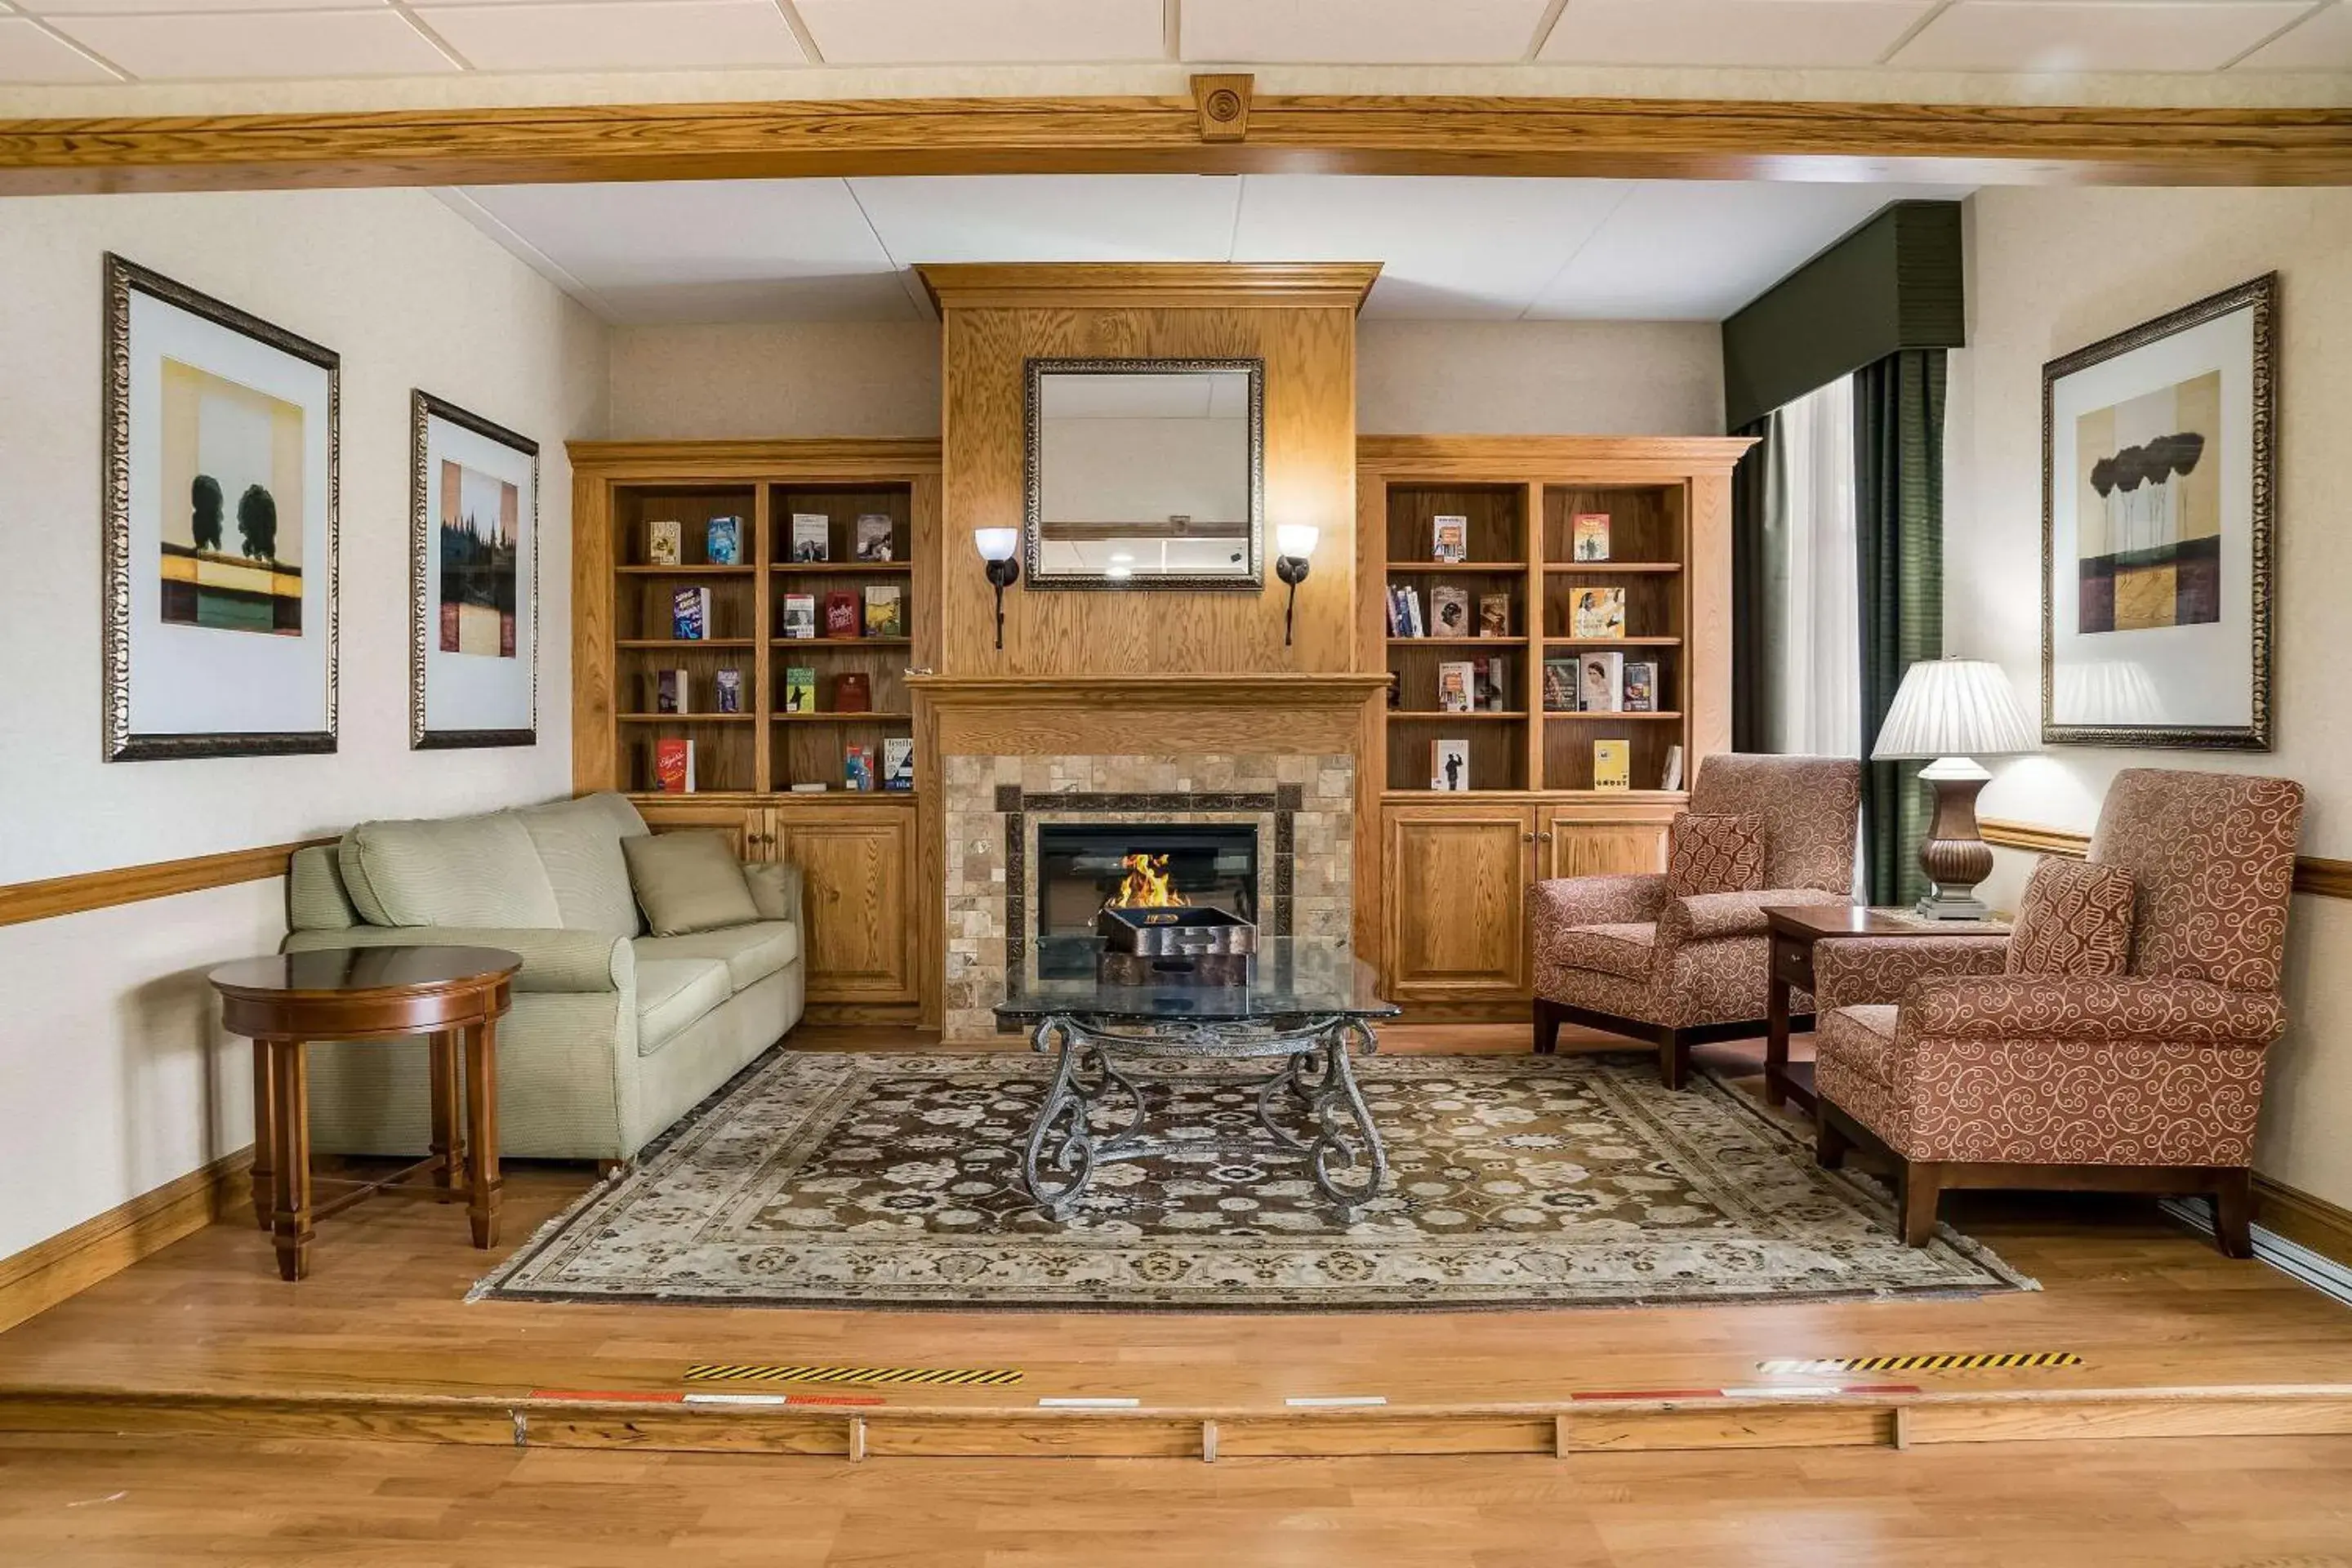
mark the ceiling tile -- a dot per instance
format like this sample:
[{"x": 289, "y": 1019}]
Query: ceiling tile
[
  {"x": 1762, "y": 33},
  {"x": 233, "y": 46},
  {"x": 628, "y": 35},
  {"x": 1053, "y": 217},
  {"x": 1461, "y": 248},
  {"x": 2324, "y": 43},
  {"x": 861, "y": 32},
  {"x": 126, "y": 7},
  {"x": 2071, "y": 35},
  {"x": 1352, "y": 32},
  {"x": 29, "y": 56},
  {"x": 1697, "y": 250}
]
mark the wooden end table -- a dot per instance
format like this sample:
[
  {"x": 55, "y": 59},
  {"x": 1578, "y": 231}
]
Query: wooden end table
[
  {"x": 452, "y": 995},
  {"x": 1795, "y": 929}
]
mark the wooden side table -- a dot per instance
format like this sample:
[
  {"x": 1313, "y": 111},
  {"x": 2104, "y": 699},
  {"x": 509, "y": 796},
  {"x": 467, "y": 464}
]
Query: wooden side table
[
  {"x": 453, "y": 995},
  {"x": 1795, "y": 929}
]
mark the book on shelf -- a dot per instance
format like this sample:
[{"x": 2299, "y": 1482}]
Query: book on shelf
[
  {"x": 818, "y": 787},
  {"x": 1600, "y": 683},
  {"x": 1612, "y": 766},
  {"x": 800, "y": 690},
  {"x": 841, "y": 613},
  {"x": 857, "y": 767},
  {"x": 722, "y": 540},
  {"x": 1588, "y": 536},
  {"x": 1449, "y": 611},
  {"x": 1671, "y": 776},
  {"x": 1449, "y": 538},
  {"x": 812, "y": 536},
  {"x": 674, "y": 766},
  {"x": 671, "y": 692},
  {"x": 664, "y": 540},
  {"x": 853, "y": 692},
  {"x": 1640, "y": 686},
  {"x": 874, "y": 536},
  {"x": 689, "y": 614},
  {"x": 1490, "y": 679},
  {"x": 1560, "y": 679},
  {"x": 885, "y": 610},
  {"x": 799, "y": 615},
  {"x": 1449, "y": 764},
  {"x": 898, "y": 762},
  {"x": 1455, "y": 688},
  {"x": 1404, "y": 611},
  {"x": 1493, "y": 615},
  {"x": 727, "y": 686},
  {"x": 1597, "y": 613}
]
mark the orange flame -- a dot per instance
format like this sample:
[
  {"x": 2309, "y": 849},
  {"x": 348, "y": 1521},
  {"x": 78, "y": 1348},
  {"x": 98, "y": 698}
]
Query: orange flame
[{"x": 1148, "y": 885}]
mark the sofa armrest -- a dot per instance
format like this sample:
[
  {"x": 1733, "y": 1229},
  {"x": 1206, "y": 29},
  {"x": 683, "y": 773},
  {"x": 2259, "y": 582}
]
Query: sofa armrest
[
  {"x": 775, "y": 889},
  {"x": 2066, "y": 1008},
  {"x": 1704, "y": 917},
  {"x": 552, "y": 960},
  {"x": 1630, "y": 898},
  {"x": 1855, "y": 972}
]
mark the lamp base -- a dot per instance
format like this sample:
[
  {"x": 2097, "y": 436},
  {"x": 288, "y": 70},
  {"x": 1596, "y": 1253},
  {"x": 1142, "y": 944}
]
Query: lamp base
[{"x": 1955, "y": 856}]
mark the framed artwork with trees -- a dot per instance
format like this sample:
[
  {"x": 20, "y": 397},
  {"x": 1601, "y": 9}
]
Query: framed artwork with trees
[
  {"x": 219, "y": 520},
  {"x": 473, "y": 658}
]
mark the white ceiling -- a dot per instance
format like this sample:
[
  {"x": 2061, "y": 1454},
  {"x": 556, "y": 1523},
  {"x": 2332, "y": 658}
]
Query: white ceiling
[
  {"x": 1451, "y": 249},
  {"x": 71, "y": 41}
]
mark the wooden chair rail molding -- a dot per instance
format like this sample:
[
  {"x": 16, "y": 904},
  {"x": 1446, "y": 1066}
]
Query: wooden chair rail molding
[
  {"x": 2313, "y": 874},
  {"x": 1397, "y": 134},
  {"x": 87, "y": 890}
]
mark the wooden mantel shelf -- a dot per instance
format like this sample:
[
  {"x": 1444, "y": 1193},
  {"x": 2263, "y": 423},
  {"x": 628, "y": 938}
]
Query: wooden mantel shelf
[{"x": 1342, "y": 689}]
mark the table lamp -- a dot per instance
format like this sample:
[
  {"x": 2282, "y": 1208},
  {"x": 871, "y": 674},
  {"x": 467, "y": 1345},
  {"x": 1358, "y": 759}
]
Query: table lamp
[{"x": 1948, "y": 712}]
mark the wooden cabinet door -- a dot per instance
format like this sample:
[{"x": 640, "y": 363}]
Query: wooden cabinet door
[
  {"x": 1600, "y": 841},
  {"x": 745, "y": 827},
  {"x": 857, "y": 902},
  {"x": 1454, "y": 893}
]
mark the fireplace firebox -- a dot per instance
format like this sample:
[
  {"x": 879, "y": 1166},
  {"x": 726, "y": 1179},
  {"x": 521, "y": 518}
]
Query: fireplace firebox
[{"x": 1082, "y": 866}]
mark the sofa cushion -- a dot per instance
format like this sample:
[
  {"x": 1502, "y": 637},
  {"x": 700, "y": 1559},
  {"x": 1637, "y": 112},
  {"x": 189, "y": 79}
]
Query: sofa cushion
[
  {"x": 672, "y": 993},
  {"x": 579, "y": 845},
  {"x": 688, "y": 882},
  {"x": 2076, "y": 920},
  {"x": 1619, "y": 950},
  {"x": 458, "y": 871},
  {"x": 1714, "y": 853},
  {"x": 751, "y": 953}
]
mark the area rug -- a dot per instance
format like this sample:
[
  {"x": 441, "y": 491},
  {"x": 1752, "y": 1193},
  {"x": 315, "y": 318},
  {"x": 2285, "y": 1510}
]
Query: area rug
[{"x": 852, "y": 1180}]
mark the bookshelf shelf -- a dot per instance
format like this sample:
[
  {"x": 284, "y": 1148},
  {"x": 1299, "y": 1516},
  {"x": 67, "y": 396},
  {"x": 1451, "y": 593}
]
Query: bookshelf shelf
[
  {"x": 1458, "y": 641},
  {"x": 1474, "y": 568},
  {"x": 1614, "y": 568},
  {"x": 685, "y": 571},
  {"x": 839, "y": 568},
  {"x": 1439, "y": 715},
  {"x": 687, "y": 718},
  {"x": 837, "y": 716},
  {"x": 1612, "y": 642},
  {"x": 689, "y": 644},
  {"x": 842, "y": 642},
  {"x": 1604, "y": 716}
]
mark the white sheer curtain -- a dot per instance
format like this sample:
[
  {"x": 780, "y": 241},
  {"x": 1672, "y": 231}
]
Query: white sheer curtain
[{"x": 1811, "y": 588}]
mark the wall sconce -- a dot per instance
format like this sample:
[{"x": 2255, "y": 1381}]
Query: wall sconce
[
  {"x": 1294, "y": 542},
  {"x": 999, "y": 548}
]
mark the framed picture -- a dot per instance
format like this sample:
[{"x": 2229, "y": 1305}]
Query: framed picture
[
  {"x": 473, "y": 662},
  {"x": 2159, "y": 469},
  {"x": 221, "y": 449}
]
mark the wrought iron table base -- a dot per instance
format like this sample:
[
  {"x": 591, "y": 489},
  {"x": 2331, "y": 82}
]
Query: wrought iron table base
[{"x": 1099, "y": 1066}]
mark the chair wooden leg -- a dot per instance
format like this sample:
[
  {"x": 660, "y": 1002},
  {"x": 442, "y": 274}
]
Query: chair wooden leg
[
  {"x": 1830, "y": 1141},
  {"x": 1922, "y": 1185},
  {"x": 1547, "y": 1040},
  {"x": 2233, "y": 1215},
  {"x": 1673, "y": 1058}
]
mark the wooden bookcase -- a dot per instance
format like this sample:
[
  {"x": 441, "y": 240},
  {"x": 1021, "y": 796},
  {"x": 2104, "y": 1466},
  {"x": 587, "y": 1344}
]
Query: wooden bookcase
[
  {"x": 856, "y": 848},
  {"x": 1455, "y": 865}
]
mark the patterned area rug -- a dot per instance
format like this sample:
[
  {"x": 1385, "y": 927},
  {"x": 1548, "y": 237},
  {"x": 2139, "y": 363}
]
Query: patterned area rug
[{"x": 822, "y": 1179}]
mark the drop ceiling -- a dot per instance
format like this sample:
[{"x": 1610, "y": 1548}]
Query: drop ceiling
[{"x": 1451, "y": 249}]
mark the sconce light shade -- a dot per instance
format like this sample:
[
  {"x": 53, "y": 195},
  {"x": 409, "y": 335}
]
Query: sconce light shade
[
  {"x": 1293, "y": 543},
  {"x": 996, "y": 544},
  {"x": 1297, "y": 540},
  {"x": 998, "y": 547}
]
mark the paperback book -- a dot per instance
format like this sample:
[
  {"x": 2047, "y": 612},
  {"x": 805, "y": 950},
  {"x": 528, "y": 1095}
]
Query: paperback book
[
  {"x": 1449, "y": 538},
  {"x": 1404, "y": 611},
  {"x": 1641, "y": 687},
  {"x": 1672, "y": 777},
  {"x": 674, "y": 766},
  {"x": 853, "y": 692},
  {"x": 1491, "y": 682},
  {"x": 874, "y": 536},
  {"x": 670, "y": 692},
  {"x": 857, "y": 767},
  {"x": 800, "y": 690},
  {"x": 898, "y": 762},
  {"x": 1613, "y": 766},
  {"x": 689, "y": 614},
  {"x": 1493, "y": 615},
  {"x": 1560, "y": 679},
  {"x": 1449, "y": 611},
  {"x": 1600, "y": 688},
  {"x": 1598, "y": 612},
  {"x": 663, "y": 540},
  {"x": 722, "y": 540},
  {"x": 812, "y": 536},
  {"x": 841, "y": 613},
  {"x": 1449, "y": 764},
  {"x": 1589, "y": 536},
  {"x": 885, "y": 611},
  {"x": 799, "y": 615},
  {"x": 727, "y": 686},
  {"x": 1455, "y": 686}
]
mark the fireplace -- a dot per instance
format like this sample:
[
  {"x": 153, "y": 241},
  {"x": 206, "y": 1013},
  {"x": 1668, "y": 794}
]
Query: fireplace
[{"x": 1082, "y": 866}]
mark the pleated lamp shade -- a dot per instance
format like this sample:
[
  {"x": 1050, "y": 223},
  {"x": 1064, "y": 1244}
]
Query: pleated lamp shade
[{"x": 1953, "y": 708}]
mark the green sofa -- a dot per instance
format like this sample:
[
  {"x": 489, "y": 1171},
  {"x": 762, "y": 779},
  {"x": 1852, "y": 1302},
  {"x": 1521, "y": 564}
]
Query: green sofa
[{"x": 614, "y": 1033}]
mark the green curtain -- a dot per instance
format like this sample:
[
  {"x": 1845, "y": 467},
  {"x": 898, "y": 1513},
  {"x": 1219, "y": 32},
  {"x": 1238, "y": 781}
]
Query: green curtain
[
  {"x": 1751, "y": 489},
  {"x": 1898, "y": 460}
]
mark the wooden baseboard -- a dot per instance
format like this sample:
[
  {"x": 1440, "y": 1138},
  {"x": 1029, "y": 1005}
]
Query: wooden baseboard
[
  {"x": 2306, "y": 1220},
  {"x": 46, "y": 1272}
]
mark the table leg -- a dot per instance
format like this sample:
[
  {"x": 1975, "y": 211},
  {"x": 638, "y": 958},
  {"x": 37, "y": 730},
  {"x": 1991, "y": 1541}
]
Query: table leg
[
  {"x": 290, "y": 1156},
  {"x": 1776, "y": 1032},
  {"x": 265, "y": 1132},
  {"x": 482, "y": 1179},
  {"x": 447, "y": 1153}
]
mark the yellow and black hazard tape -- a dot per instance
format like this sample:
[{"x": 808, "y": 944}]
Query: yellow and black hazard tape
[
  {"x": 1962, "y": 1362},
  {"x": 936, "y": 1376}
]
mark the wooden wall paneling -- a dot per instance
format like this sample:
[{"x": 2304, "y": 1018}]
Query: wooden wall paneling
[
  {"x": 1590, "y": 839},
  {"x": 934, "y": 555},
  {"x": 858, "y": 897},
  {"x": 743, "y": 821},
  {"x": 596, "y": 749},
  {"x": 763, "y": 694},
  {"x": 1707, "y": 656}
]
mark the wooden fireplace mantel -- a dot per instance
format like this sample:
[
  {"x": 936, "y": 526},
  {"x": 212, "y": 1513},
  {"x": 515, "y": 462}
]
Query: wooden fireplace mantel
[
  {"x": 1067, "y": 715},
  {"x": 1252, "y": 690}
]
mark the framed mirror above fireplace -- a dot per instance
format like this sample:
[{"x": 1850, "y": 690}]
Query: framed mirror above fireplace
[{"x": 1145, "y": 473}]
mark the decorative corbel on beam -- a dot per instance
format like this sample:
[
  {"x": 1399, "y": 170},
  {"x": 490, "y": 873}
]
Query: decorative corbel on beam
[{"x": 1223, "y": 102}]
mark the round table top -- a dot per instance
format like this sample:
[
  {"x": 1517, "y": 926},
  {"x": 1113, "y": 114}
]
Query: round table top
[{"x": 359, "y": 971}]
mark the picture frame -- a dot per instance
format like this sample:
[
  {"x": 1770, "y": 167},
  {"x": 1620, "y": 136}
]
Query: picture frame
[
  {"x": 2158, "y": 485},
  {"x": 216, "y": 421},
  {"x": 474, "y": 546}
]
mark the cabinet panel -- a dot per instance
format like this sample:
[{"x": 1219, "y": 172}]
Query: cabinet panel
[
  {"x": 857, "y": 897},
  {"x": 1596, "y": 842},
  {"x": 745, "y": 826},
  {"x": 1453, "y": 889}
]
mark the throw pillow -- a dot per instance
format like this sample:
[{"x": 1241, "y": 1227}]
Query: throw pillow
[
  {"x": 2076, "y": 920},
  {"x": 1714, "y": 854},
  {"x": 688, "y": 882}
]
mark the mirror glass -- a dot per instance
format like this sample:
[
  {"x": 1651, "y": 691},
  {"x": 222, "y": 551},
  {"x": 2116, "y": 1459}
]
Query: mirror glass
[{"x": 1144, "y": 473}]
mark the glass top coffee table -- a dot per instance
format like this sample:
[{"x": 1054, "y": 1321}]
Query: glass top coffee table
[{"x": 1304, "y": 1003}]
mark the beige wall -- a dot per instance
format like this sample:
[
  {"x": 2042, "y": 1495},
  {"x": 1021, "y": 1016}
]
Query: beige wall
[
  {"x": 882, "y": 378},
  {"x": 113, "y": 1074},
  {"x": 2051, "y": 271}
]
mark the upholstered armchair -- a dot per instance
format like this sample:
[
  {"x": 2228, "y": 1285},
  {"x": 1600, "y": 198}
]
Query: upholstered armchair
[
  {"x": 1662, "y": 958},
  {"x": 2113, "y": 1041}
]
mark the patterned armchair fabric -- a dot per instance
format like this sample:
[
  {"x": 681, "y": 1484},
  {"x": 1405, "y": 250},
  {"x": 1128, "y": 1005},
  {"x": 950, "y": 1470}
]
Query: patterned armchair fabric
[
  {"x": 1707, "y": 953},
  {"x": 2161, "y": 1065}
]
